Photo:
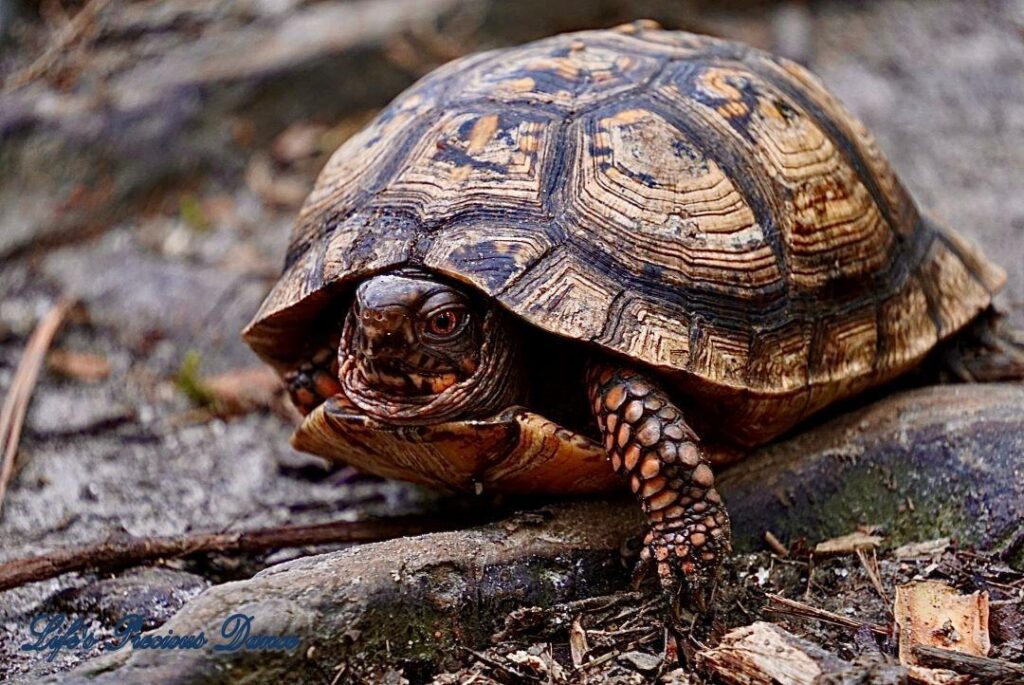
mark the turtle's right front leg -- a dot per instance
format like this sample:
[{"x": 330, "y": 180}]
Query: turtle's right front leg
[
  {"x": 314, "y": 381},
  {"x": 649, "y": 442}
]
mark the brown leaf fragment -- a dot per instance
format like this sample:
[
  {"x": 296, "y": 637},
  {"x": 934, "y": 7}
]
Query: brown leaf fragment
[
  {"x": 80, "y": 366},
  {"x": 921, "y": 550},
  {"x": 932, "y": 614},
  {"x": 232, "y": 393},
  {"x": 578, "y": 646},
  {"x": 239, "y": 391},
  {"x": 847, "y": 544}
]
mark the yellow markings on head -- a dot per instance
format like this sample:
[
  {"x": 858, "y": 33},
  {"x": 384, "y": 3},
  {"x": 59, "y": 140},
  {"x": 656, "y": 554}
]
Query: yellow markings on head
[{"x": 441, "y": 383}]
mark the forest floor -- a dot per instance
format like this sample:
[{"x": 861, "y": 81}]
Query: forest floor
[{"x": 152, "y": 163}]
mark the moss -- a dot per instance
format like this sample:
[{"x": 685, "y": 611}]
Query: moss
[{"x": 189, "y": 379}]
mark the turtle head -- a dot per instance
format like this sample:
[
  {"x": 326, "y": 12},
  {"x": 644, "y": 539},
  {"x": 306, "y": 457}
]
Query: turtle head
[{"x": 417, "y": 350}]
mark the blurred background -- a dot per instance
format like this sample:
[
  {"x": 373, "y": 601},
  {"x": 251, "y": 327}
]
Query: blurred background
[{"x": 153, "y": 154}]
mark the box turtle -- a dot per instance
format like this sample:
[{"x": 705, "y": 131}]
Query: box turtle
[{"x": 634, "y": 246}]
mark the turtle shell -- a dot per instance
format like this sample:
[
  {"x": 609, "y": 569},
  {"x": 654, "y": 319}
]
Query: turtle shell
[{"x": 696, "y": 205}]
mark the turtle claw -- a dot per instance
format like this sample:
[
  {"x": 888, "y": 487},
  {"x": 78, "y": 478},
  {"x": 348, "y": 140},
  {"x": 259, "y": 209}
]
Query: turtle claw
[
  {"x": 642, "y": 570},
  {"x": 688, "y": 574}
]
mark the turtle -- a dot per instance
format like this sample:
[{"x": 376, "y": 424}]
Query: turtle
[{"x": 614, "y": 255}]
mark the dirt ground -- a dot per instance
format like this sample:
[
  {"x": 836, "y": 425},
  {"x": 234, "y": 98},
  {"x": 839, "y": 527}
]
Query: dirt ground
[{"x": 151, "y": 164}]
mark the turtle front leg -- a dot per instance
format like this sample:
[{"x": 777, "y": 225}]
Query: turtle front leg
[
  {"x": 649, "y": 442},
  {"x": 314, "y": 381}
]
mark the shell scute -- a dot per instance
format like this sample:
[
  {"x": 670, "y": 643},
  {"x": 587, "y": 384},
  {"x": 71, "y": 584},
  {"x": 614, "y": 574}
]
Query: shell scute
[
  {"x": 565, "y": 74},
  {"x": 639, "y": 186}
]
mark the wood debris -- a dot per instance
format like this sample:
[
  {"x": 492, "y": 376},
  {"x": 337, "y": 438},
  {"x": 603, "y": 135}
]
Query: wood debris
[
  {"x": 766, "y": 654},
  {"x": 12, "y": 414},
  {"x": 791, "y": 607},
  {"x": 981, "y": 668},
  {"x": 932, "y": 614}
]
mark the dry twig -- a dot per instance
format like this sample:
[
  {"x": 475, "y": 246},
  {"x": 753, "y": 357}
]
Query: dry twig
[
  {"x": 985, "y": 669},
  {"x": 791, "y": 607},
  {"x": 68, "y": 34},
  {"x": 775, "y": 545},
  {"x": 12, "y": 415},
  {"x": 117, "y": 554}
]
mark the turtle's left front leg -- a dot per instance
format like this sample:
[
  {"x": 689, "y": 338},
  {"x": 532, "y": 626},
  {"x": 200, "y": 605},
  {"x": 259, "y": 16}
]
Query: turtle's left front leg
[
  {"x": 314, "y": 380},
  {"x": 649, "y": 442}
]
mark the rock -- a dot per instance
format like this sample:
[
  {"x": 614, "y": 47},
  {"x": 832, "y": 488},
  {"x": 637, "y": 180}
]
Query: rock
[
  {"x": 928, "y": 463},
  {"x": 641, "y": 661},
  {"x": 74, "y": 411},
  {"x": 404, "y": 602},
  {"x": 155, "y": 594}
]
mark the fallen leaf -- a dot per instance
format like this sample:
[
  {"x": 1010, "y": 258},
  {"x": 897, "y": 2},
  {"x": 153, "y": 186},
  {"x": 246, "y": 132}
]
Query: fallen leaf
[
  {"x": 80, "y": 366},
  {"x": 243, "y": 390},
  {"x": 921, "y": 550},
  {"x": 578, "y": 646},
  {"x": 847, "y": 544},
  {"x": 933, "y": 614},
  {"x": 233, "y": 392}
]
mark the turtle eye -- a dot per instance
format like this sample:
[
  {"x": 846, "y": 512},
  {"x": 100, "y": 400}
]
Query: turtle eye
[{"x": 446, "y": 322}]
